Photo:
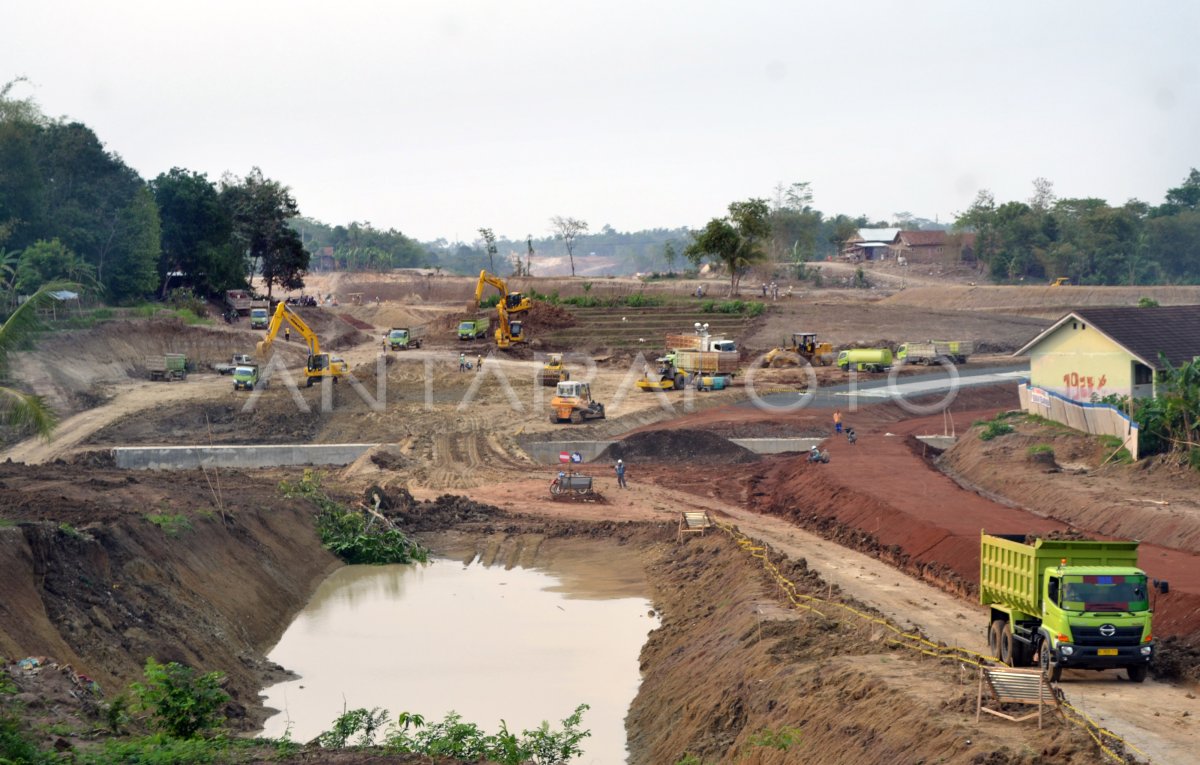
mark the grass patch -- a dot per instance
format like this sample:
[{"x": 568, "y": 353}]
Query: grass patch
[
  {"x": 1037, "y": 449},
  {"x": 1114, "y": 444},
  {"x": 173, "y": 525},
  {"x": 747, "y": 307},
  {"x": 997, "y": 426}
]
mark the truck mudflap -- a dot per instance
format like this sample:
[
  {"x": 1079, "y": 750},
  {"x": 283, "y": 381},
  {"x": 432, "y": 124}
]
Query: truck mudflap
[{"x": 1075, "y": 656}]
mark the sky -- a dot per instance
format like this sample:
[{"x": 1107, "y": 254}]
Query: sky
[{"x": 439, "y": 117}]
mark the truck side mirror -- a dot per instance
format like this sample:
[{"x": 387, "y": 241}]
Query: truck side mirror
[{"x": 1162, "y": 585}]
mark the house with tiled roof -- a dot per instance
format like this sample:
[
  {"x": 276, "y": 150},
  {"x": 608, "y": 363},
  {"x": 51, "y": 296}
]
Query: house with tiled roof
[
  {"x": 1092, "y": 353},
  {"x": 944, "y": 247}
]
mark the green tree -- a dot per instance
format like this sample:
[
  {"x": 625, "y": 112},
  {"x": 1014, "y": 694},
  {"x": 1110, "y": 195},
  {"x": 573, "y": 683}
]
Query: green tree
[
  {"x": 567, "y": 230},
  {"x": 136, "y": 244},
  {"x": 1186, "y": 196},
  {"x": 843, "y": 230},
  {"x": 670, "y": 255},
  {"x": 736, "y": 241},
  {"x": 196, "y": 235},
  {"x": 259, "y": 209},
  {"x": 25, "y": 412},
  {"x": 489, "y": 241},
  {"x": 45, "y": 262}
]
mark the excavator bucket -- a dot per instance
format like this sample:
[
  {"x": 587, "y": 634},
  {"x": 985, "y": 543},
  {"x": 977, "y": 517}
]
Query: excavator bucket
[{"x": 261, "y": 347}]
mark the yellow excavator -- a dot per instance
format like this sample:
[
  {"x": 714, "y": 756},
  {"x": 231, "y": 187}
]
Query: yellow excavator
[
  {"x": 320, "y": 365},
  {"x": 510, "y": 303}
]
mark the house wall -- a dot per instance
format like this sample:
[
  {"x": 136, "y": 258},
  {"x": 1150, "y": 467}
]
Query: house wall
[
  {"x": 1099, "y": 419},
  {"x": 1078, "y": 362}
]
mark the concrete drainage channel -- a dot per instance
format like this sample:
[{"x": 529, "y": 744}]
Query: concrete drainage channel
[
  {"x": 548, "y": 452},
  {"x": 283, "y": 455}
]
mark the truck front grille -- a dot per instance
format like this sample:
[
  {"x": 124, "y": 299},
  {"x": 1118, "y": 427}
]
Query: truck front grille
[{"x": 1121, "y": 636}]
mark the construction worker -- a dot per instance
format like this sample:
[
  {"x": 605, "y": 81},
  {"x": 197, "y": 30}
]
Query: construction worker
[
  {"x": 837, "y": 421},
  {"x": 462, "y": 362},
  {"x": 620, "y": 470},
  {"x": 287, "y": 334},
  {"x": 478, "y": 363}
]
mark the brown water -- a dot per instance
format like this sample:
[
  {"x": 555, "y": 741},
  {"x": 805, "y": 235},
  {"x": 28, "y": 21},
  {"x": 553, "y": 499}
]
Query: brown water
[{"x": 519, "y": 644}]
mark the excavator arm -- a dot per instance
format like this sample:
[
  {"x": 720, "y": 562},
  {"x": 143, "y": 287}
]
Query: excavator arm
[
  {"x": 509, "y": 303},
  {"x": 282, "y": 314}
]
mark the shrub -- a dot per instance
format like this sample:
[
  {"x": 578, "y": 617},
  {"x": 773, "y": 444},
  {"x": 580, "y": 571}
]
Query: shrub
[
  {"x": 1147, "y": 303},
  {"x": 180, "y": 703},
  {"x": 350, "y": 535},
  {"x": 996, "y": 426},
  {"x": 1040, "y": 449},
  {"x": 15, "y": 747}
]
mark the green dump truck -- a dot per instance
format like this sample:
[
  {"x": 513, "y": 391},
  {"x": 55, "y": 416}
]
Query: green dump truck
[
  {"x": 936, "y": 352},
  {"x": 169, "y": 366},
  {"x": 246, "y": 377},
  {"x": 473, "y": 330},
  {"x": 865, "y": 359},
  {"x": 259, "y": 318},
  {"x": 1073, "y": 604},
  {"x": 401, "y": 339}
]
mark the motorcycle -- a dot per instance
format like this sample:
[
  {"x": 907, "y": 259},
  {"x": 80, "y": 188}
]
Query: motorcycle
[{"x": 818, "y": 456}]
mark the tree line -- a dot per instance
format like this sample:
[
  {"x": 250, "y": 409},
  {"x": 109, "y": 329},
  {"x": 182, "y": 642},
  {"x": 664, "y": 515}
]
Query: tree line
[
  {"x": 71, "y": 209},
  {"x": 1087, "y": 239}
]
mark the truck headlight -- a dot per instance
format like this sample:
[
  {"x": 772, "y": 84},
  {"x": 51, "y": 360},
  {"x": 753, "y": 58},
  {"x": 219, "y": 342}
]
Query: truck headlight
[
  {"x": 1067, "y": 650},
  {"x": 1146, "y": 650}
]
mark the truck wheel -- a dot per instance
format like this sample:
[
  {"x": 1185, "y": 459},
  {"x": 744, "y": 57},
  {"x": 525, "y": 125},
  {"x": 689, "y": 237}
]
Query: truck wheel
[
  {"x": 1137, "y": 673},
  {"x": 1051, "y": 670},
  {"x": 1006, "y": 646},
  {"x": 679, "y": 382},
  {"x": 994, "y": 634}
]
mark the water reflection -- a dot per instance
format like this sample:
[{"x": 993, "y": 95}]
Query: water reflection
[{"x": 488, "y": 643}]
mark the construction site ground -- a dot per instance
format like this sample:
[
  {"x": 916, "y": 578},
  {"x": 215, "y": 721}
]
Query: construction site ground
[{"x": 887, "y": 525}]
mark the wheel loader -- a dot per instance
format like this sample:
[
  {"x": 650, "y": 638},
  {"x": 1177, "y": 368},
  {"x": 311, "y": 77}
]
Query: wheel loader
[{"x": 803, "y": 345}]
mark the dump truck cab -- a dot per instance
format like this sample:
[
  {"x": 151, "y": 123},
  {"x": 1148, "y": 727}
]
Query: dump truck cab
[
  {"x": 401, "y": 339},
  {"x": 245, "y": 377}
]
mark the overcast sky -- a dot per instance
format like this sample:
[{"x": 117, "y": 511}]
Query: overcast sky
[{"x": 436, "y": 118}]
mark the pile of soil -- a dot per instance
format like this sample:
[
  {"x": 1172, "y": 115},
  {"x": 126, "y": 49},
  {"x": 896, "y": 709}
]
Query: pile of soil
[
  {"x": 547, "y": 316},
  {"x": 682, "y": 445}
]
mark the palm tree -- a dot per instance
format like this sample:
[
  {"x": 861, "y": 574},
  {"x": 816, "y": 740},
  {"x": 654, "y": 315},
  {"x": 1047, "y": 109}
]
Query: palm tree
[{"x": 25, "y": 411}]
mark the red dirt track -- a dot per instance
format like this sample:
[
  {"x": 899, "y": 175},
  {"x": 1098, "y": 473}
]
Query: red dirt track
[{"x": 882, "y": 496}]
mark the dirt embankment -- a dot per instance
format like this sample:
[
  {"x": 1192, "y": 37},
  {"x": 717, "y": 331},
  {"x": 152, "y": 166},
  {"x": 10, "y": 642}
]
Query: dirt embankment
[
  {"x": 729, "y": 663},
  {"x": 105, "y": 572},
  {"x": 102, "y": 586}
]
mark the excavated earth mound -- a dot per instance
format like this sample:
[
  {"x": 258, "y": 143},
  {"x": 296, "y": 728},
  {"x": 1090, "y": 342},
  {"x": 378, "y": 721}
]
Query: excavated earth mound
[{"x": 695, "y": 446}]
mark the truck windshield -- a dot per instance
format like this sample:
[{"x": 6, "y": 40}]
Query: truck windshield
[{"x": 1105, "y": 593}]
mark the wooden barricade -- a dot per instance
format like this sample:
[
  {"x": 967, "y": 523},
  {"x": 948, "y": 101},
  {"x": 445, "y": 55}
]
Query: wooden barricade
[
  {"x": 693, "y": 522},
  {"x": 1014, "y": 686}
]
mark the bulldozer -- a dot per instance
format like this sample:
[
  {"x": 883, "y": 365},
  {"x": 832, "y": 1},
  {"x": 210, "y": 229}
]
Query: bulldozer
[
  {"x": 553, "y": 371},
  {"x": 573, "y": 403},
  {"x": 803, "y": 345}
]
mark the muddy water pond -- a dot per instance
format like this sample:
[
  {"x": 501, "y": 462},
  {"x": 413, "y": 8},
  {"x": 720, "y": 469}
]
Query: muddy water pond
[{"x": 488, "y": 642}]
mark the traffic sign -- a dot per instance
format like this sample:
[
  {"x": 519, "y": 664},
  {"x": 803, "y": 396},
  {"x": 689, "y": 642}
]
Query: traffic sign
[{"x": 564, "y": 457}]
